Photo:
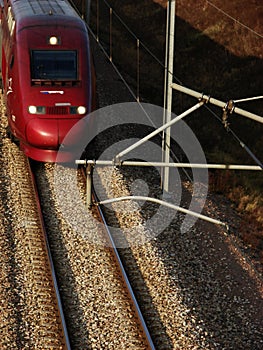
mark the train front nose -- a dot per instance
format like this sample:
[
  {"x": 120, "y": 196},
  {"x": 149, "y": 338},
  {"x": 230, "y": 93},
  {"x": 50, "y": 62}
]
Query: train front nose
[
  {"x": 42, "y": 133},
  {"x": 51, "y": 134}
]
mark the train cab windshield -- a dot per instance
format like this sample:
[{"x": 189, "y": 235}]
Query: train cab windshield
[{"x": 54, "y": 65}]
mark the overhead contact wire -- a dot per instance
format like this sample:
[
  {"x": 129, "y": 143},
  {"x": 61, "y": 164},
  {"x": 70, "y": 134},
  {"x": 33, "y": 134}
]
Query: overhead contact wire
[
  {"x": 113, "y": 12},
  {"x": 241, "y": 143},
  {"x": 234, "y": 19}
]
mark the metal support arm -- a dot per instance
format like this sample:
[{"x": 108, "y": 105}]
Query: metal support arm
[{"x": 216, "y": 102}]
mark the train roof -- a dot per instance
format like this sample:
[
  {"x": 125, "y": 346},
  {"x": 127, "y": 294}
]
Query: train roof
[{"x": 34, "y": 12}]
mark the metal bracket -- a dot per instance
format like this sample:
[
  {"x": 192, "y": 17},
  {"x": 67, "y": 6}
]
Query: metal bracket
[
  {"x": 227, "y": 110},
  {"x": 117, "y": 161},
  {"x": 203, "y": 98},
  {"x": 89, "y": 183}
]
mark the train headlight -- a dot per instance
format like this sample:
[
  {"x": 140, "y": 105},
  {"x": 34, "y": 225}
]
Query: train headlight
[
  {"x": 54, "y": 40},
  {"x": 32, "y": 109},
  {"x": 36, "y": 109},
  {"x": 81, "y": 110},
  {"x": 78, "y": 110}
]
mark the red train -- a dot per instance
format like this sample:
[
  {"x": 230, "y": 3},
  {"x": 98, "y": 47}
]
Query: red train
[{"x": 47, "y": 74}]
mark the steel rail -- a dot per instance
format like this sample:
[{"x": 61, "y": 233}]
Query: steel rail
[
  {"x": 50, "y": 261},
  {"x": 122, "y": 271}
]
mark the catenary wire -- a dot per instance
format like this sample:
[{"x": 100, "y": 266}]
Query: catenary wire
[
  {"x": 242, "y": 144},
  {"x": 233, "y": 239},
  {"x": 234, "y": 19}
]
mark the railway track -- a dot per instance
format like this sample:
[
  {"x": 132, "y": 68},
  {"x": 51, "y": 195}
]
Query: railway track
[
  {"x": 158, "y": 267},
  {"x": 54, "y": 332},
  {"x": 30, "y": 314},
  {"x": 36, "y": 313},
  {"x": 122, "y": 272},
  {"x": 100, "y": 306},
  {"x": 164, "y": 276}
]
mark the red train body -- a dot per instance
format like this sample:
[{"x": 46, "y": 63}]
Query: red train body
[{"x": 47, "y": 73}]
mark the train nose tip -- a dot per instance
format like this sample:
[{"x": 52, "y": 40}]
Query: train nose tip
[{"x": 41, "y": 134}]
